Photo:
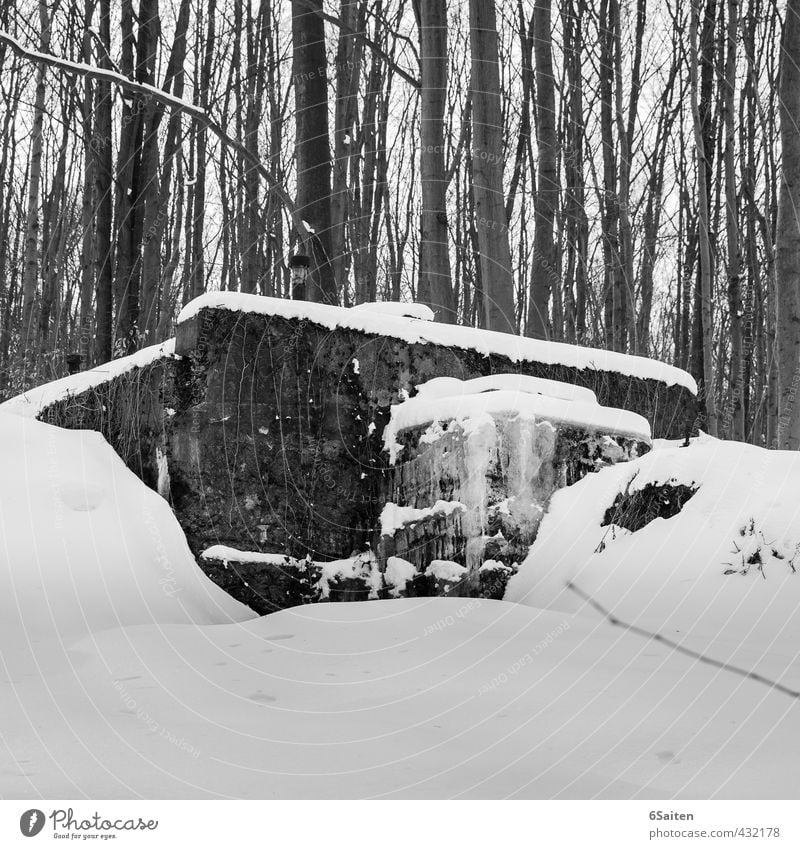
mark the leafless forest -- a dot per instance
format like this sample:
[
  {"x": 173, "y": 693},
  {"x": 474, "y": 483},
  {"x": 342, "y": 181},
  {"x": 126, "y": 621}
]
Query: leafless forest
[{"x": 612, "y": 173}]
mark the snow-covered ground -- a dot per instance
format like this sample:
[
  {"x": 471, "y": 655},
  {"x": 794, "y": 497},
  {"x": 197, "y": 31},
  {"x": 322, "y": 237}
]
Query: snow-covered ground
[
  {"x": 126, "y": 673},
  {"x": 670, "y": 575},
  {"x": 84, "y": 545}
]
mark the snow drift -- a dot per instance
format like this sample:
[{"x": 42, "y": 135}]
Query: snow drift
[
  {"x": 84, "y": 545},
  {"x": 127, "y": 674},
  {"x": 721, "y": 577}
]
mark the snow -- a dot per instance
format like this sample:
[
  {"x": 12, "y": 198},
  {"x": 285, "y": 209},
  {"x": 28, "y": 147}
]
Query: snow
[
  {"x": 452, "y": 387},
  {"x": 422, "y": 312},
  {"x": 84, "y": 545},
  {"x": 412, "y": 698},
  {"x": 127, "y": 674},
  {"x": 31, "y": 403},
  {"x": 493, "y": 566},
  {"x": 226, "y": 554},
  {"x": 422, "y": 410},
  {"x": 362, "y": 566},
  {"x": 445, "y": 570},
  {"x": 393, "y": 516},
  {"x": 398, "y": 573},
  {"x": 669, "y": 577},
  {"x": 516, "y": 348}
]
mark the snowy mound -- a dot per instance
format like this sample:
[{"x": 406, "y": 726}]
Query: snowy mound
[
  {"x": 31, "y": 403},
  {"x": 471, "y": 402},
  {"x": 416, "y": 698},
  {"x": 421, "y": 312},
  {"x": 85, "y": 545},
  {"x": 450, "y": 387},
  {"x": 413, "y": 331},
  {"x": 724, "y": 570}
]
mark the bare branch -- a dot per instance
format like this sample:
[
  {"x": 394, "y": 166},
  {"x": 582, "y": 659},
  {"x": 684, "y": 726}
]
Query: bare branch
[
  {"x": 148, "y": 91},
  {"x": 658, "y": 638}
]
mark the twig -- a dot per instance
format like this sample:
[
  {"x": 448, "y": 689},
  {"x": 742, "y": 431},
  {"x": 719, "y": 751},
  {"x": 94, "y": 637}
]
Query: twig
[{"x": 736, "y": 670}]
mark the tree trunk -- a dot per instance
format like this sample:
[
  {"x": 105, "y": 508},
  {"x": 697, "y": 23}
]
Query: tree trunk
[
  {"x": 704, "y": 234},
  {"x": 348, "y": 73},
  {"x": 104, "y": 255},
  {"x": 487, "y": 170},
  {"x": 312, "y": 145},
  {"x": 198, "y": 229},
  {"x": 544, "y": 276},
  {"x": 30, "y": 272},
  {"x": 88, "y": 203},
  {"x": 736, "y": 409},
  {"x": 788, "y": 236},
  {"x": 435, "y": 284},
  {"x": 613, "y": 286}
]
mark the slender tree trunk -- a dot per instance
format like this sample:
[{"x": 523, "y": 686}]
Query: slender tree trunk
[
  {"x": 435, "y": 284},
  {"x": 788, "y": 236},
  {"x": 127, "y": 186},
  {"x": 88, "y": 202},
  {"x": 544, "y": 276},
  {"x": 737, "y": 423},
  {"x": 348, "y": 73},
  {"x": 312, "y": 145},
  {"x": 103, "y": 170},
  {"x": 52, "y": 245},
  {"x": 625, "y": 142},
  {"x": 30, "y": 273},
  {"x": 704, "y": 234},
  {"x": 198, "y": 228},
  {"x": 152, "y": 218},
  {"x": 155, "y": 295},
  {"x": 487, "y": 170},
  {"x": 575, "y": 213},
  {"x": 613, "y": 286}
]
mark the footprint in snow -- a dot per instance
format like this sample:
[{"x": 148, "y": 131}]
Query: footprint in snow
[{"x": 262, "y": 697}]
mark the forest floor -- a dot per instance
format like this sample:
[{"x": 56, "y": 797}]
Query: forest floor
[{"x": 126, "y": 673}]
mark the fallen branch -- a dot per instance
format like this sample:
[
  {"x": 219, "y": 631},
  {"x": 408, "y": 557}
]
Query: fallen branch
[{"x": 736, "y": 670}]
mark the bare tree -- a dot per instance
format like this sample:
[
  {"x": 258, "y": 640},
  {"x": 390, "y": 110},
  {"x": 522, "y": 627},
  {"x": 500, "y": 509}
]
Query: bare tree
[
  {"x": 788, "y": 234},
  {"x": 544, "y": 276},
  {"x": 703, "y": 229},
  {"x": 312, "y": 144},
  {"x": 435, "y": 285},
  {"x": 488, "y": 158}
]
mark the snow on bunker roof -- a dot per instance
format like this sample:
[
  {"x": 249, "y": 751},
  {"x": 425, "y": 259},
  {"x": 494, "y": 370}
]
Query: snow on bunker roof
[
  {"x": 32, "y": 403},
  {"x": 414, "y": 331},
  {"x": 420, "y": 312}
]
